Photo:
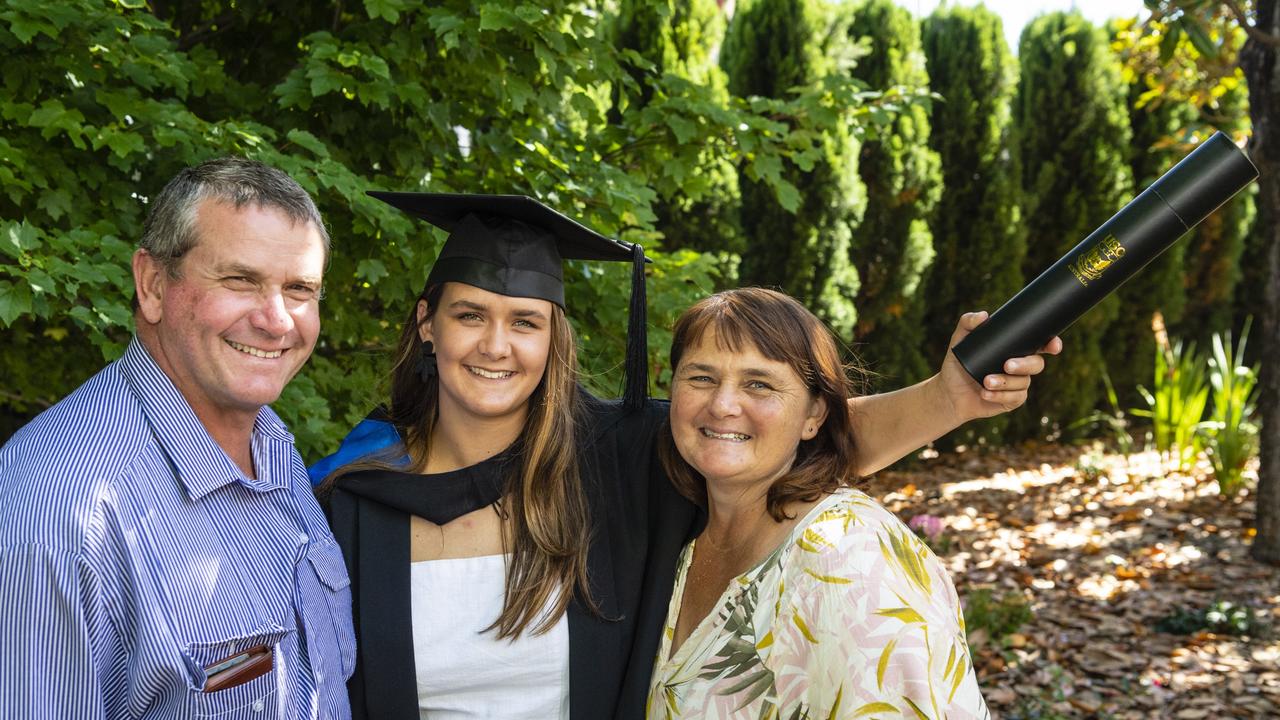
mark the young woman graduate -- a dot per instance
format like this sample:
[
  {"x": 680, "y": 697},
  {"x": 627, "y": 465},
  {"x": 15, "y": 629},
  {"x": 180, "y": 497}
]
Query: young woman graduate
[{"x": 511, "y": 539}]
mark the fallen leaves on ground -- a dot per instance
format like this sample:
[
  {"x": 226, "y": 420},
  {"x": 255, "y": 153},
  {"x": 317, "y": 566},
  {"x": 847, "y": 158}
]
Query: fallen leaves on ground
[{"x": 1103, "y": 546}]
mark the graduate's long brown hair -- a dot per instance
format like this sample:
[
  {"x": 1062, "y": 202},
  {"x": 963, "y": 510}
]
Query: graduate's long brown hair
[{"x": 546, "y": 525}]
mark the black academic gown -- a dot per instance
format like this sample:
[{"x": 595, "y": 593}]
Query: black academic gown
[{"x": 638, "y": 523}]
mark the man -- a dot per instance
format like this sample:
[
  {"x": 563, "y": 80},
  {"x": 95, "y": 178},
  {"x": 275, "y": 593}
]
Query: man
[{"x": 161, "y": 554}]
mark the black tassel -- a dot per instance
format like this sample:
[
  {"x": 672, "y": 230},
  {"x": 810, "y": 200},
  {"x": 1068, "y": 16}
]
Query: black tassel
[{"x": 637, "y": 366}]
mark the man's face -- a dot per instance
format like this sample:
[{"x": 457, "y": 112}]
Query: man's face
[{"x": 243, "y": 316}]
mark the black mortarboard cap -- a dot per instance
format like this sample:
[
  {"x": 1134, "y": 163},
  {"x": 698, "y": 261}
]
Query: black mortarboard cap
[{"x": 514, "y": 245}]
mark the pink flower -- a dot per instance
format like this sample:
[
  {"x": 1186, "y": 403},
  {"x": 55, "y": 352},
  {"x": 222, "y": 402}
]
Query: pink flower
[{"x": 928, "y": 525}]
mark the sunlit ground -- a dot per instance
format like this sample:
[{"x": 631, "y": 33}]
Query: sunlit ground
[{"x": 1103, "y": 547}]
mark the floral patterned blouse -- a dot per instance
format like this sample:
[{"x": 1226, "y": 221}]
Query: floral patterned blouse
[{"x": 851, "y": 617}]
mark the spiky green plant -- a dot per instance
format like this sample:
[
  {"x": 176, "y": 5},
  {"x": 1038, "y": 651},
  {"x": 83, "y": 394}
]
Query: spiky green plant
[
  {"x": 1176, "y": 401},
  {"x": 1230, "y": 436}
]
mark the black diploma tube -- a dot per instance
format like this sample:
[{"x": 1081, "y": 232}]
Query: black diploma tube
[{"x": 1113, "y": 253}]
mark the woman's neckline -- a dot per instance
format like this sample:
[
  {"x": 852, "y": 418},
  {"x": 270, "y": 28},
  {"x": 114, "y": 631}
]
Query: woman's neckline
[{"x": 475, "y": 559}]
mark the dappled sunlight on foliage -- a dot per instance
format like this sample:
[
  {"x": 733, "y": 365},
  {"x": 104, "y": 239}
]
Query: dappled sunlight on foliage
[{"x": 103, "y": 103}]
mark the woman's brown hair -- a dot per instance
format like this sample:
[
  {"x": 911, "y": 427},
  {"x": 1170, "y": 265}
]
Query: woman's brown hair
[
  {"x": 781, "y": 329},
  {"x": 547, "y": 529}
]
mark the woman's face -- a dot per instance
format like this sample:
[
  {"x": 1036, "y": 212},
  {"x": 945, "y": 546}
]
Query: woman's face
[
  {"x": 491, "y": 350},
  {"x": 738, "y": 417}
]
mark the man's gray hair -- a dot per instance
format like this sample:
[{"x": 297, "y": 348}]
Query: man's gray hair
[{"x": 170, "y": 230}]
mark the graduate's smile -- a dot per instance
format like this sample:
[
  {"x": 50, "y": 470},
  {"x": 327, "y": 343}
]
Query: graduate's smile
[{"x": 490, "y": 374}]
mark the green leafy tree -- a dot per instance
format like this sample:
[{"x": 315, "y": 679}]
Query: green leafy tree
[
  {"x": 1260, "y": 20},
  {"x": 893, "y": 246},
  {"x": 977, "y": 229},
  {"x": 1177, "y": 97},
  {"x": 103, "y": 102},
  {"x": 679, "y": 37},
  {"x": 1072, "y": 139},
  {"x": 1158, "y": 124},
  {"x": 772, "y": 48}
]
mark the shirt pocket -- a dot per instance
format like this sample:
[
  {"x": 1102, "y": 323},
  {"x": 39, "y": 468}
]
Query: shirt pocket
[
  {"x": 262, "y": 697},
  {"x": 324, "y": 593}
]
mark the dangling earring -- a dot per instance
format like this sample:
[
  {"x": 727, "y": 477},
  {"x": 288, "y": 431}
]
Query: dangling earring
[{"x": 426, "y": 365}]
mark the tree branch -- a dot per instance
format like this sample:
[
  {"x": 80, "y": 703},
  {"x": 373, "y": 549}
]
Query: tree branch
[
  {"x": 1250, "y": 29},
  {"x": 42, "y": 403},
  {"x": 196, "y": 35}
]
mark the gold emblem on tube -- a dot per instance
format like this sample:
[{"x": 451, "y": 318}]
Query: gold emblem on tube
[{"x": 1091, "y": 263}]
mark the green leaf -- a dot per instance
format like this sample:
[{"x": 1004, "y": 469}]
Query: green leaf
[
  {"x": 348, "y": 59},
  {"x": 519, "y": 93},
  {"x": 15, "y": 300},
  {"x": 122, "y": 142},
  {"x": 493, "y": 17},
  {"x": 684, "y": 128},
  {"x": 26, "y": 28},
  {"x": 40, "y": 281},
  {"x": 530, "y": 13},
  {"x": 386, "y": 9},
  {"x": 375, "y": 66},
  {"x": 19, "y": 237},
  {"x": 308, "y": 141},
  {"x": 52, "y": 113},
  {"x": 324, "y": 81},
  {"x": 788, "y": 195},
  {"x": 371, "y": 270},
  {"x": 447, "y": 27}
]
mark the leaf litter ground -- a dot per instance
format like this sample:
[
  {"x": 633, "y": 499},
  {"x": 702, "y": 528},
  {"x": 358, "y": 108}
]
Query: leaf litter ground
[{"x": 1103, "y": 547}]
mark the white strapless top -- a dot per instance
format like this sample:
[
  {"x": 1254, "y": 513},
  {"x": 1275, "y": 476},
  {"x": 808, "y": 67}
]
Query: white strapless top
[{"x": 463, "y": 673}]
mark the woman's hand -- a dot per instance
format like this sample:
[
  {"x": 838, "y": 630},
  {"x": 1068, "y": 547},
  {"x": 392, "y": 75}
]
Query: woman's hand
[
  {"x": 998, "y": 393},
  {"x": 890, "y": 425}
]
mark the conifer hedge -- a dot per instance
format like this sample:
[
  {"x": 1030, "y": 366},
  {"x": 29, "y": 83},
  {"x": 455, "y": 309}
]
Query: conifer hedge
[
  {"x": 893, "y": 246},
  {"x": 771, "y": 48},
  {"x": 977, "y": 230},
  {"x": 1072, "y": 139}
]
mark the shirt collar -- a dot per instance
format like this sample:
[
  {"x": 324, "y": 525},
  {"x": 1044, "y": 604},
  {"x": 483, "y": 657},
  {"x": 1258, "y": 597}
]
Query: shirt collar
[{"x": 199, "y": 463}]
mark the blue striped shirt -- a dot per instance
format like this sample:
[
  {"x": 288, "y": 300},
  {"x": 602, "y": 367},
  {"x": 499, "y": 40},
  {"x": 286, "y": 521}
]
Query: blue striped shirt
[{"x": 134, "y": 553}]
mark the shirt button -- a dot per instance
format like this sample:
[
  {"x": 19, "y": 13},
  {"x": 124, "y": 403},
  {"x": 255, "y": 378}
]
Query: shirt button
[
  {"x": 319, "y": 677},
  {"x": 257, "y": 706},
  {"x": 302, "y": 538}
]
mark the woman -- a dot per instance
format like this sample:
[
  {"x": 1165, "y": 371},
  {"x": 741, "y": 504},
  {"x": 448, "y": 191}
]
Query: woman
[
  {"x": 517, "y": 525},
  {"x": 802, "y": 597}
]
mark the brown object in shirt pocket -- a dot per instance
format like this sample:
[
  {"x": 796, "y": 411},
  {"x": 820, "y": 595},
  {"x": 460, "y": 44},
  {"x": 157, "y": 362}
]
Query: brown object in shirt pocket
[{"x": 238, "y": 669}]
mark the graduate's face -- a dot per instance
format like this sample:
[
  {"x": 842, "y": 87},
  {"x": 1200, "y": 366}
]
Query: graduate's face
[
  {"x": 738, "y": 417},
  {"x": 243, "y": 315},
  {"x": 491, "y": 350}
]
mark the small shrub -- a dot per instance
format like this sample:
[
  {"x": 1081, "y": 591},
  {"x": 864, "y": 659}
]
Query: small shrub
[
  {"x": 1221, "y": 617},
  {"x": 1000, "y": 618}
]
